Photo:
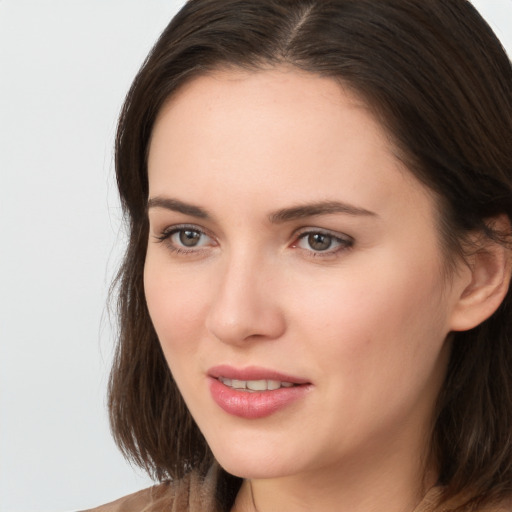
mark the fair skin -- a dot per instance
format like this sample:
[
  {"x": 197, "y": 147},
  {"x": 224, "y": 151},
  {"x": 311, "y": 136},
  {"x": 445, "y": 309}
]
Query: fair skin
[{"x": 350, "y": 296}]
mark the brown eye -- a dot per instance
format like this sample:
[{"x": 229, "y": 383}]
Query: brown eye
[
  {"x": 319, "y": 241},
  {"x": 186, "y": 238},
  {"x": 189, "y": 237}
]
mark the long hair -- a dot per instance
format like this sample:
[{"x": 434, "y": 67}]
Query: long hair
[{"x": 438, "y": 80}]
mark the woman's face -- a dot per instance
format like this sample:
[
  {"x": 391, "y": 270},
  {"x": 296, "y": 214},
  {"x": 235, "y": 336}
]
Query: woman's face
[{"x": 290, "y": 252}]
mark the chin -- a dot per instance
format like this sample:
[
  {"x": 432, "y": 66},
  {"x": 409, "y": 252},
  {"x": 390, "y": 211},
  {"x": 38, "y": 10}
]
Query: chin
[
  {"x": 253, "y": 470},
  {"x": 252, "y": 461}
]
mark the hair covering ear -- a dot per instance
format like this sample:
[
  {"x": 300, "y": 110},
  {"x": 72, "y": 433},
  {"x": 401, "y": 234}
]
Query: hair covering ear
[{"x": 490, "y": 267}]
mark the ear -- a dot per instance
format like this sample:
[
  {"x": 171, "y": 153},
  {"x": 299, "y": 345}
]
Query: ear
[{"x": 484, "y": 283}]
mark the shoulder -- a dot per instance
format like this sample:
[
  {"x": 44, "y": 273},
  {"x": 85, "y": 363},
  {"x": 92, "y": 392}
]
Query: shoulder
[
  {"x": 193, "y": 493},
  {"x": 433, "y": 502},
  {"x": 139, "y": 501}
]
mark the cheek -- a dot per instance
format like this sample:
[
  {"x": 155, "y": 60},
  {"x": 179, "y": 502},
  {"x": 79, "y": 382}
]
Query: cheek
[
  {"x": 372, "y": 298},
  {"x": 384, "y": 321},
  {"x": 176, "y": 305}
]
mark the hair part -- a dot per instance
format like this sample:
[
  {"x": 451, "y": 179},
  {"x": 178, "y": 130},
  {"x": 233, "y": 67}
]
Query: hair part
[{"x": 438, "y": 80}]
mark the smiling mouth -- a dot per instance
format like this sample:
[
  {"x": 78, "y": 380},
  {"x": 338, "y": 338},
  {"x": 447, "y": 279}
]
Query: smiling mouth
[
  {"x": 254, "y": 386},
  {"x": 255, "y": 392}
]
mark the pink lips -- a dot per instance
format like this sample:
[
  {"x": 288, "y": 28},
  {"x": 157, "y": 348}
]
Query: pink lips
[{"x": 258, "y": 404}]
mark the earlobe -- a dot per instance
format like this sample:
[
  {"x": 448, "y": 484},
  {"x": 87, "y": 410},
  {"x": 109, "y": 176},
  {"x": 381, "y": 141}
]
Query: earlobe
[{"x": 490, "y": 272}]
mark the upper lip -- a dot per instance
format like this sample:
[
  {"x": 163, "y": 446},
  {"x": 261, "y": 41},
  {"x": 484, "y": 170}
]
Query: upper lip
[{"x": 253, "y": 373}]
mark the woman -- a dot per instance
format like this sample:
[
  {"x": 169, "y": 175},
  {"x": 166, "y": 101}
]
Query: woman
[{"x": 314, "y": 306}]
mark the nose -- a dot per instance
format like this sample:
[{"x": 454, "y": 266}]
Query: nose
[{"x": 245, "y": 306}]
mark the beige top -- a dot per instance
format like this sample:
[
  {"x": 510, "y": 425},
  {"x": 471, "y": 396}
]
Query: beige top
[{"x": 193, "y": 494}]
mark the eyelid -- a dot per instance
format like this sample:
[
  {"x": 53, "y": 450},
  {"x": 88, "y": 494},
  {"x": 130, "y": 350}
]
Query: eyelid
[
  {"x": 345, "y": 241},
  {"x": 308, "y": 230},
  {"x": 167, "y": 233},
  {"x": 173, "y": 228}
]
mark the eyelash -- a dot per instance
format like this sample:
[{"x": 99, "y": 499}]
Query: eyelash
[
  {"x": 167, "y": 234},
  {"x": 344, "y": 242}
]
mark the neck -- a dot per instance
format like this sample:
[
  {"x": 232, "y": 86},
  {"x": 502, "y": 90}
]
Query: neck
[{"x": 385, "y": 483}]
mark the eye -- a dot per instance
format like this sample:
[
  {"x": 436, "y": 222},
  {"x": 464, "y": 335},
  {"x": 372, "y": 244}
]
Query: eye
[
  {"x": 322, "y": 242},
  {"x": 318, "y": 241},
  {"x": 188, "y": 238},
  {"x": 185, "y": 239}
]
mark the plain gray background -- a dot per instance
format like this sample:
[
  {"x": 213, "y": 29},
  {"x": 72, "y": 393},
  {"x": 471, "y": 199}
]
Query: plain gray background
[{"x": 65, "y": 66}]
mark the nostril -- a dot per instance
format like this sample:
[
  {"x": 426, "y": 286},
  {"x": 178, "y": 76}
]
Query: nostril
[{"x": 245, "y": 323}]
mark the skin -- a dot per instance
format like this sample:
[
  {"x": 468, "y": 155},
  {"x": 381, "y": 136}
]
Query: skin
[{"x": 365, "y": 321}]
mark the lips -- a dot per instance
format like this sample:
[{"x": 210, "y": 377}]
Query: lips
[
  {"x": 254, "y": 392},
  {"x": 253, "y": 373}
]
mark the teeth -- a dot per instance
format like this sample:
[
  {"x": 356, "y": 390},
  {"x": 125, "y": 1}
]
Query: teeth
[
  {"x": 275, "y": 384},
  {"x": 239, "y": 384},
  {"x": 255, "y": 385}
]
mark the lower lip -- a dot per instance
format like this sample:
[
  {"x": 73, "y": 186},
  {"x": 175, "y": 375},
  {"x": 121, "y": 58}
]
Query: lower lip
[{"x": 257, "y": 404}]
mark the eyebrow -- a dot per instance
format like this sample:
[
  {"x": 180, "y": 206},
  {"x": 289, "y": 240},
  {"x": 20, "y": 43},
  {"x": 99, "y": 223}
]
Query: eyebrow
[
  {"x": 321, "y": 208},
  {"x": 277, "y": 217},
  {"x": 178, "y": 206}
]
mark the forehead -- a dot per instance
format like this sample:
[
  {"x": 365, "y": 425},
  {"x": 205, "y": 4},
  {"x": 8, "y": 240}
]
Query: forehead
[
  {"x": 285, "y": 89},
  {"x": 278, "y": 132},
  {"x": 255, "y": 100}
]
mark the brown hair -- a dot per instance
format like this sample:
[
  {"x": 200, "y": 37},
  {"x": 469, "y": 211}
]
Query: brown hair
[{"x": 440, "y": 82}]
